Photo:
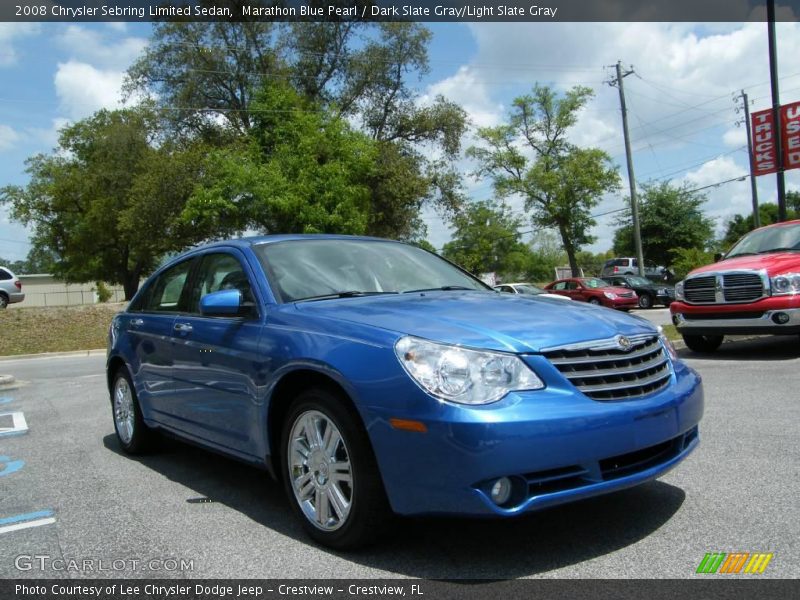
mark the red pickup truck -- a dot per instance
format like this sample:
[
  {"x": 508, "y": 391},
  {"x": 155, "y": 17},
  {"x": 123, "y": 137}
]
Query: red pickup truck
[{"x": 753, "y": 289}]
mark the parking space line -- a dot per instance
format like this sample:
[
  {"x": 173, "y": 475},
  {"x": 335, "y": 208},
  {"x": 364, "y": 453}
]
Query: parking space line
[
  {"x": 11, "y": 466},
  {"x": 19, "y": 425},
  {"x": 26, "y": 520}
]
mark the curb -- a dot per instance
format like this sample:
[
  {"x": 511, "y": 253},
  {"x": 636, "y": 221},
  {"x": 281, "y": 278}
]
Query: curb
[{"x": 53, "y": 355}]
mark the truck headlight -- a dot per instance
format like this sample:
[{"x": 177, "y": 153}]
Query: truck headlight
[
  {"x": 786, "y": 284},
  {"x": 462, "y": 375},
  {"x": 679, "y": 291}
]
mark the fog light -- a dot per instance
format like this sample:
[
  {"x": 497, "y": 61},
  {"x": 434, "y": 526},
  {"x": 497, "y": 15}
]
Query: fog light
[
  {"x": 501, "y": 491},
  {"x": 780, "y": 318}
]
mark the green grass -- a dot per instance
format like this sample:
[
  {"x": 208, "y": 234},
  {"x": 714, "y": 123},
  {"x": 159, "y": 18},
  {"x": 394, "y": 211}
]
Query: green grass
[
  {"x": 55, "y": 329},
  {"x": 671, "y": 333}
]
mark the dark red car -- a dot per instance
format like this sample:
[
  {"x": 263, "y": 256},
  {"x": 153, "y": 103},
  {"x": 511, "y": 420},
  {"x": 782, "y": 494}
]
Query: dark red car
[{"x": 594, "y": 291}]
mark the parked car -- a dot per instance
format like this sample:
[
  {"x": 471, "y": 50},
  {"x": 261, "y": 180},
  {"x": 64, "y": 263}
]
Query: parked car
[
  {"x": 630, "y": 266},
  {"x": 594, "y": 291},
  {"x": 754, "y": 289},
  {"x": 10, "y": 288},
  {"x": 649, "y": 293},
  {"x": 528, "y": 289},
  {"x": 372, "y": 377}
]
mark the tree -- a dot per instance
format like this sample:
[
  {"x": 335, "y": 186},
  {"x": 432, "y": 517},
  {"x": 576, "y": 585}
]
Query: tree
[
  {"x": 107, "y": 204},
  {"x": 303, "y": 171},
  {"x": 487, "y": 240},
  {"x": 670, "y": 218},
  {"x": 559, "y": 182},
  {"x": 204, "y": 74}
]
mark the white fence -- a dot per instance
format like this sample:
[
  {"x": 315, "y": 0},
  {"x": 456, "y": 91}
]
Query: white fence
[{"x": 46, "y": 290}]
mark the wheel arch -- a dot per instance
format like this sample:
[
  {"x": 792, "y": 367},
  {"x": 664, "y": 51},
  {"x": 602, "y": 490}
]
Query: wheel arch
[
  {"x": 287, "y": 389},
  {"x": 114, "y": 364}
]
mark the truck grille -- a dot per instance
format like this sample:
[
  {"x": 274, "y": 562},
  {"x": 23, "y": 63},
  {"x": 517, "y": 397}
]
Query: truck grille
[
  {"x": 607, "y": 374},
  {"x": 724, "y": 288}
]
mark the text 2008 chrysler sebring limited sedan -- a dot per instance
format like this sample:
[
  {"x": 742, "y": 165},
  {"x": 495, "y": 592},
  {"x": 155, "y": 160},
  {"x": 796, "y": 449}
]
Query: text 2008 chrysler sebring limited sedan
[{"x": 373, "y": 377}]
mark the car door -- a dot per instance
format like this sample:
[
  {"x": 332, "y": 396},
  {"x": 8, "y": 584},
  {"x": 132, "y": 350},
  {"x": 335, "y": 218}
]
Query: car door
[
  {"x": 575, "y": 291},
  {"x": 217, "y": 364},
  {"x": 149, "y": 324}
]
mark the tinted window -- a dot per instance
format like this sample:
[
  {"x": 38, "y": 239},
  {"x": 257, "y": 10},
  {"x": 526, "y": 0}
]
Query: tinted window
[
  {"x": 165, "y": 294},
  {"x": 4, "y": 274},
  {"x": 220, "y": 271}
]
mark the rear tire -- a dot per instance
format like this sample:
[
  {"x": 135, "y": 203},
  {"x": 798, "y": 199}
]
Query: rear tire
[
  {"x": 703, "y": 343},
  {"x": 133, "y": 434},
  {"x": 3, "y": 301},
  {"x": 645, "y": 301},
  {"x": 330, "y": 473}
]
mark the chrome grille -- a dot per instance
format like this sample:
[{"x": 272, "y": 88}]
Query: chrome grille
[
  {"x": 604, "y": 373},
  {"x": 724, "y": 288},
  {"x": 626, "y": 295}
]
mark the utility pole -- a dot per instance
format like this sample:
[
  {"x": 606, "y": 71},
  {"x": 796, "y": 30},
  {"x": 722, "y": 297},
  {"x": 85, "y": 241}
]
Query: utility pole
[
  {"x": 753, "y": 186},
  {"x": 776, "y": 109},
  {"x": 637, "y": 234}
]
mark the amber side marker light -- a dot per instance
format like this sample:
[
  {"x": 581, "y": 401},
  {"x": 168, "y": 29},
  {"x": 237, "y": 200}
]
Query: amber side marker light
[{"x": 408, "y": 425}]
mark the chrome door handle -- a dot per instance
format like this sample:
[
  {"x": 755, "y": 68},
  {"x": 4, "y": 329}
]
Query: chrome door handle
[
  {"x": 137, "y": 322},
  {"x": 183, "y": 327}
]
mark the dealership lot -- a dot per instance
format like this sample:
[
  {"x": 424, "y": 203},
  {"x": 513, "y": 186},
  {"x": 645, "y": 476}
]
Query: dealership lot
[{"x": 106, "y": 514}]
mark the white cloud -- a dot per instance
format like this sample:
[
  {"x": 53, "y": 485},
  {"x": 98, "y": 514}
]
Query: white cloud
[
  {"x": 467, "y": 89},
  {"x": 94, "y": 47},
  {"x": 83, "y": 89},
  {"x": 9, "y": 32},
  {"x": 8, "y": 137},
  {"x": 735, "y": 137}
]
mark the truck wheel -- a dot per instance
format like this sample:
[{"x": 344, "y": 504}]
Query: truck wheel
[{"x": 703, "y": 343}]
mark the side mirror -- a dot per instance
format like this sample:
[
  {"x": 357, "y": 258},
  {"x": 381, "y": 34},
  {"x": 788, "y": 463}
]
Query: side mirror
[
  {"x": 224, "y": 303},
  {"x": 718, "y": 256}
]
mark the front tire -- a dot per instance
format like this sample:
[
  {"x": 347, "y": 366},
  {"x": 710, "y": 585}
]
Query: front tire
[
  {"x": 133, "y": 434},
  {"x": 330, "y": 473},
  {"x": 594, "y": 301},
  {"x": 703, "y": 343}
]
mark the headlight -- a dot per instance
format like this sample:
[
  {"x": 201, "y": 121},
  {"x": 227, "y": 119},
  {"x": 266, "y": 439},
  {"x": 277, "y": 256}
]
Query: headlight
[
  {"x": 462, "y": 375},
  {"x": 788, "y": 283},
  {"x": 609, "y": 295},
  {"x": 661, "y": 292},
  {"x": 667, "y": 344},
  {"x": 679, "y": 291}
]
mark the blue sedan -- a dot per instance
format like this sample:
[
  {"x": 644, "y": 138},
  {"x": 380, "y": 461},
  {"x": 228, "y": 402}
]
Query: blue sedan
[{"x": 374, "y": 378}]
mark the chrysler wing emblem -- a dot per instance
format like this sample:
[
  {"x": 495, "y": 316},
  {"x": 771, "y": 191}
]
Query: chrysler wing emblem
[{"x": 623, "y": 343}]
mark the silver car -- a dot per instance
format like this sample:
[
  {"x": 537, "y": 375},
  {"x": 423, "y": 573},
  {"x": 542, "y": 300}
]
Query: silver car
[{"x": 10, "y": 288}]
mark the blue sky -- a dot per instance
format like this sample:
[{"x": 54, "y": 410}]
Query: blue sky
[{"x": 681, "y": 116}]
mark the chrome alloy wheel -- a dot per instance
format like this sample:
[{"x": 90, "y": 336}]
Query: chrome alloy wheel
[
  {"x": 320, "y": 470},
  {"x": 123, "y": 410}
]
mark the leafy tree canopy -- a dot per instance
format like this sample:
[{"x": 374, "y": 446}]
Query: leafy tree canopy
[
  {"x": 531, "y": 156},
  {"x": 670, "y": 218}
]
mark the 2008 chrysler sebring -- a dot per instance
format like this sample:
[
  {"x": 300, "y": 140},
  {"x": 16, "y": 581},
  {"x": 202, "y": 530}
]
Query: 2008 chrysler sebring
[{"x": 373, "y": 377}]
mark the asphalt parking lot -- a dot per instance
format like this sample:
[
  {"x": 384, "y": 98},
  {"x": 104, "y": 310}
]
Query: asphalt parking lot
[{"x": 737, "y": 493}]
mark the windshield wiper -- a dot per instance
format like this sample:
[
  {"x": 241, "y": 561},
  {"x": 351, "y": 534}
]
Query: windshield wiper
[
  {"x": 780, "y": 250},
  {"x": 444, "y": 288},
  {"x": 347, "y": 294}
]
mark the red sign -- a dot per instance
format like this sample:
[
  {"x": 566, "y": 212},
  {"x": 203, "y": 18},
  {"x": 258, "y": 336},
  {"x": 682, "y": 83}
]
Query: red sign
[{"x": 765, "y": 159}]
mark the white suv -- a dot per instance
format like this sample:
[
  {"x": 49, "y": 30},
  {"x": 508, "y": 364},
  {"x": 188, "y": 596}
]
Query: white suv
[{"x": 10, "y": 288}]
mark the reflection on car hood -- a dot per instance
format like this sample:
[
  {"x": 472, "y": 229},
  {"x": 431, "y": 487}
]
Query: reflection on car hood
[
  {"x": 775, "y": 263},
  {"x": 477, "y": 319}
]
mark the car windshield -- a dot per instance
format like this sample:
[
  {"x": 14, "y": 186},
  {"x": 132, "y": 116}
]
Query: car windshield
[
  {"x": 529, "y": 289},
  {"x": 638, "y": 281},
  {"x": 594, "y": 283},
  {"x": 309, "y": 269},
  {"x": 781, "y": 238}
]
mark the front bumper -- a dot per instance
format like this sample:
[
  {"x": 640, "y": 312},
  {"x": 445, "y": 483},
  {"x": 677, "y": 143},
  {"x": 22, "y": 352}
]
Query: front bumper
[
  {"x": 770, "y": 320},
  {"x": 556, "y": 445}
]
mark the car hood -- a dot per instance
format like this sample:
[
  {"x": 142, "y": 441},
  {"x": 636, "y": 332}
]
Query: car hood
[
  {"x": 495, "y": 321},
  {"x": 775, "y": 263}
]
